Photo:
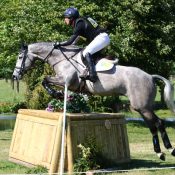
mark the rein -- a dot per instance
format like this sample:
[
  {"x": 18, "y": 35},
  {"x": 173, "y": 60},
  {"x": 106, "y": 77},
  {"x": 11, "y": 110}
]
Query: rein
[
  {"x": 82, "y": 84},
  {"x": 69, "y": 59},
  {"x": 48, "y": 55}
]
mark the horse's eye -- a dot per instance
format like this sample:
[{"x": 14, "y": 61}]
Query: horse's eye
[{"x": 20, "y": 56}]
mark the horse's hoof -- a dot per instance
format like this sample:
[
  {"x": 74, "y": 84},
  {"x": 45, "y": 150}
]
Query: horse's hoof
[
  {"x": 58, "y": 95},
  {"x": 161, "y": 156},
  {"x": 172, "y": 151}
]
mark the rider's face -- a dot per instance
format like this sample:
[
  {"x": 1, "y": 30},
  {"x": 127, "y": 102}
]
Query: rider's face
[{"x": 67, "y": 21}]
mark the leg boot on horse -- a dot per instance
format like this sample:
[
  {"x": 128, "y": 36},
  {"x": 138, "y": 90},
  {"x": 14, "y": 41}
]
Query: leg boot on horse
[
  {"x": 52, "y": 92},
  {"x": 161, "y": 126},
  {"x": 91, "y": 68},
  {"x": 156, "y": 124}
]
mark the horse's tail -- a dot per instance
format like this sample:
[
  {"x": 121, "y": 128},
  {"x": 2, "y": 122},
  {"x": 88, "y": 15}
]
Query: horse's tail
[{"x": 168, "y": 92}]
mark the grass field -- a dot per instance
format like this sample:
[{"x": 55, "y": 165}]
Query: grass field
[
  {"x": 141, "y": 149},
  {"x": 8, "y": 95}
]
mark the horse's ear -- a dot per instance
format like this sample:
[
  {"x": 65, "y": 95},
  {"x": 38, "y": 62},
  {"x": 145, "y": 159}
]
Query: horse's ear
[{"x": 24, "y": 46}]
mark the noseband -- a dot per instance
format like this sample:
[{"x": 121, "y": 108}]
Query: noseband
[{"x": 22, "y": 67}]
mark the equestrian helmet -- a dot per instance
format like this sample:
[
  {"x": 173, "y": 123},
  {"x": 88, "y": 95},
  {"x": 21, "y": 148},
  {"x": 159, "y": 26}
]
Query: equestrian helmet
[{"x": 71, "y": 13}]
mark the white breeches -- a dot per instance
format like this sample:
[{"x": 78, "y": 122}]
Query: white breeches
[{"x": 99, "y": 42}]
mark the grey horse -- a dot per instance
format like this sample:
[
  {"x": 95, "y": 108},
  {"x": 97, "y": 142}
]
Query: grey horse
[{"x": 132, "y": 82}]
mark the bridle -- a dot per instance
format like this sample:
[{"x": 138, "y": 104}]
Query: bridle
[
  {"x": 22, "y": 67},
  {"x": 25, "y": 55},
  {"x": 70, "y": 59}
]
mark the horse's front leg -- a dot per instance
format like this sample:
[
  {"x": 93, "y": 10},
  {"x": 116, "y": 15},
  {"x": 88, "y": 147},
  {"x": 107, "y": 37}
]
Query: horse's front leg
[{"x": 49, "y": 81}]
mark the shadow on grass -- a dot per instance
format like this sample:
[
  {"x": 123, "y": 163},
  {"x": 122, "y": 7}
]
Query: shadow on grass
[
  {"x": 143, "y": 164},
  {"x": 141, "y": 123},
  {"x": 5, "y": 139}
]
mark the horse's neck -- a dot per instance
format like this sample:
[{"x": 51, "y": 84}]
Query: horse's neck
[
  {"x": 57, "y": 57},
  {"x": 40, "y": 50},
  {"x": 43, "y": 49}
]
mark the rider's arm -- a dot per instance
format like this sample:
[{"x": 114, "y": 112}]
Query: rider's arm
[
  {"x": 76, "y": 40},
  {"x": 70, "y": 41},
  {"x": 77, "y": 32}
]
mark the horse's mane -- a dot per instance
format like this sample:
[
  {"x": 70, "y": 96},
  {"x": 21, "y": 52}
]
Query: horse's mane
[
  {"x": 71, "y": 48},
  {"x": 43, "y": 44}
]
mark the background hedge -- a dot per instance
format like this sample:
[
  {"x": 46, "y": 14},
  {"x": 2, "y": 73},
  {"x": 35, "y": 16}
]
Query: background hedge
[{"x": 142, "y": 32}]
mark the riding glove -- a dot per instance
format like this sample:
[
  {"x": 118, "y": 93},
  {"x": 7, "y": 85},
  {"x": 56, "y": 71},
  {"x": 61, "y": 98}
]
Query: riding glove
[{"x": 56, "y": 45}]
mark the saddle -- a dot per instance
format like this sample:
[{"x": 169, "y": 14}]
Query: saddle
[{"x": 101, "y": 62}]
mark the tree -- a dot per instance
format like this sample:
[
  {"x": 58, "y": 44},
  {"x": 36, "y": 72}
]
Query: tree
[{"x": 144, "y": 35}]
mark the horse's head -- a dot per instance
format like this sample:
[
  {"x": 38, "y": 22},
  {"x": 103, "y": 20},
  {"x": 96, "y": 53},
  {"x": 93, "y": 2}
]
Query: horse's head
[{"x": 22, "y": 64}]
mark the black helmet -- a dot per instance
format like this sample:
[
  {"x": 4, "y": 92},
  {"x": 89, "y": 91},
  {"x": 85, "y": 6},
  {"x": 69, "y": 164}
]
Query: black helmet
[{"x": 71, "y": 13}]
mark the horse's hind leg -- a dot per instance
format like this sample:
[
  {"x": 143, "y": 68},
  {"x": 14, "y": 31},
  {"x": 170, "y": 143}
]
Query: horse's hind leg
[
  {"x": 155, "y": 123},
  {"x": 161, "y": 126},
  {"x": 150, "y": 120}
]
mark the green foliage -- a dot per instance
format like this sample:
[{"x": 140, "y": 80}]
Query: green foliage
[
  {"x": 5, "y": 107},
  {"x": 142, "y": 32},
  {"x": 37, "y": 170},
  {"x": 56, "y": 105},
  {"x": 76, "y": 103},
  {"x": 12, "y": 107},
  {"x": 144, "y": 35},
  {"x": 19, "y": 105},
  {"x": 86, "y": 161},
  {"x": 38, "y": 98},
  {"x": 90, "y": 156},
  {"x": 104, "y": 104}
]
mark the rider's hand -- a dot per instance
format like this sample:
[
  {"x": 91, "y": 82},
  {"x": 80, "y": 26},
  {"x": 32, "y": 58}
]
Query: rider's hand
[{"x": 56, "y": 45}]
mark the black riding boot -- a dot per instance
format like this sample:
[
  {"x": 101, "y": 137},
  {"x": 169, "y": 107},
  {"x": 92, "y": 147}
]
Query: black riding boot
[{"x": 91, "y": 68}]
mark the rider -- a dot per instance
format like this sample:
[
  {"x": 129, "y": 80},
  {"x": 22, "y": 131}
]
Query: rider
[{"x": 85, "y": 27}]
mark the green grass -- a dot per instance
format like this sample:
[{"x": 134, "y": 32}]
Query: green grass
[
  {"x": 8, "y": 95},
  {"x": 5, "y": 165},
  {"x": 162, "y": 113},
  {"x": 141, "y": 150},
  {"x": 142, "y": 153}
]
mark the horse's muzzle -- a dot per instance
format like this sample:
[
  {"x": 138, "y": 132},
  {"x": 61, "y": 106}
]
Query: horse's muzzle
[{"x": 14, "y": 77}]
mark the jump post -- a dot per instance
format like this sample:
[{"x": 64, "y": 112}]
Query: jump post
[{"x": 37, "y": 137}]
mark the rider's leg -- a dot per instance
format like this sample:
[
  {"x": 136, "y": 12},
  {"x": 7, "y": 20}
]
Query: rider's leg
[
  {"x": 91, "y": 67},
  {"x": 99, "y": 42}
]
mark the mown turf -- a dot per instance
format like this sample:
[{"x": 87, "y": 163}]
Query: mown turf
[{"x": 141, "y": 150}]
